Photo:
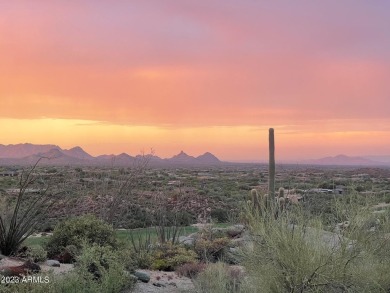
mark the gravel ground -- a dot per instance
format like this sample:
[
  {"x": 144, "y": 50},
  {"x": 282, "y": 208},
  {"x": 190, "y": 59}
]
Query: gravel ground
[
  {"x": 160, "y": 282},
  {"x": 11, "y": 261},
  {"x": 164, "y": 282}
]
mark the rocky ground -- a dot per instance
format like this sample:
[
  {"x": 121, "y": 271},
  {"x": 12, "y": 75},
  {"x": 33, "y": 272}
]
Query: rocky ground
[
  {"x": 159, "y": 282},
  {"x": 149, "y": 281},
  {"x": 12, "y": 261},
  {"x": 163, "y": 282}
]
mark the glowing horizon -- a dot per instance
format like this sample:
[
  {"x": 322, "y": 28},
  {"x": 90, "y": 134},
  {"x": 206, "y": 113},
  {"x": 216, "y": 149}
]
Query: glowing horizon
[{"x": 197, "y": 76}]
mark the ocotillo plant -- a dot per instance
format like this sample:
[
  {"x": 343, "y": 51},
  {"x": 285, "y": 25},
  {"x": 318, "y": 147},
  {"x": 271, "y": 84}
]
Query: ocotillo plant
[{"x": 271, "y": 167}]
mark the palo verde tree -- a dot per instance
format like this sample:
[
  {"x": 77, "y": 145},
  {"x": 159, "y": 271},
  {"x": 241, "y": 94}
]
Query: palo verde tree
[{"x": 21, "y": 215}]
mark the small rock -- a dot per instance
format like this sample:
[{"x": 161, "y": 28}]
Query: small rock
[
  {"x": 239, "y": 227},
  {"x": 186, "y": 240},
  {"x": 2, "y": 256},
  {"x": 53, "y": 263},
  {"x": 142, "y": 276},
  {"x": 158, "y": 284}
]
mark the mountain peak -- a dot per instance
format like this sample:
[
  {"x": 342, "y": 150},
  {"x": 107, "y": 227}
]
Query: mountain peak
[
  {"x": 29, "y": 153},
  {"x": 182, "y": 157},
  {"x": 208, "y": 158},
  {"x": 53, "y": 153},
  {"x": 78, "y": 152},
  {"x": 76, "y": 148}
]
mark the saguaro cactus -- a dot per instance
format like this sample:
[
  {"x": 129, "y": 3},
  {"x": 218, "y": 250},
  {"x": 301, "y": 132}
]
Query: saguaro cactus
[
  {"x": 281, "y": 192},
  {"x": 271, "y": 167},
  {"x": 255, "y": 199}
]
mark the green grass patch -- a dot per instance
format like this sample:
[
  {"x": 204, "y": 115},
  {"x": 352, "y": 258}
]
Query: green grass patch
[
  {"x": 31, "y": 241},
  {"x": 143, "y": 233}
]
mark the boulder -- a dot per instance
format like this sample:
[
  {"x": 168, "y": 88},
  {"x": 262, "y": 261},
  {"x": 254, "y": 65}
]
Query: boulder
[
  {"x": 239, "y": 227},
  {"x": 17, "y": 271},
  {"x": 53, "y": 263},
  {"x": 142, "y": 276},
  {"x": 186, "y": 240}
]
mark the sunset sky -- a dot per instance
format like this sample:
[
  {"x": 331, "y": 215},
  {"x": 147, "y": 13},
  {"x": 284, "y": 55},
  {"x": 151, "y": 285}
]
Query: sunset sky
[{"x": 125, "y": 76}]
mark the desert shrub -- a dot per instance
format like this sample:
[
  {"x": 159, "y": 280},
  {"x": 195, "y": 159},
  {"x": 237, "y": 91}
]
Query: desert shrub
[
  {"x": 211, "y": 250},
  {"x": 190, "y": 270},
  {"x": 141, "y": 247},
  {"x": 169, "y": 256},
  {"x": 36, "y": 253},
  {"x": 76, "y": 230},
  {"x": 142, "y": 259},
  {"x": 96, "y": 261},
  {"x": 185, "y": 218},
  {"x": 125, "y": 253},
  {"x": 219, "y": 278},
  {"x": 68, "y": 254},
  {"x": 210, "y": 232},
  {"x": 220, "y": 215},
  {"x": 303, "y": 257},
  {"x": 98, "y": 269}
]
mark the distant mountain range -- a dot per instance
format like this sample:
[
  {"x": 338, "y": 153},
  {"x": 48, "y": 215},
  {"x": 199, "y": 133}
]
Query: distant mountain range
[
  {"x": 27, "y": 154},
  {"x": 343, "y": 160}
]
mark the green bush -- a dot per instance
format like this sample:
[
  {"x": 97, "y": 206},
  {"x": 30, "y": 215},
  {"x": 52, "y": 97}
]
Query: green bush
[
  {"x": 220, "y": 215},
  {"x": 211, "y": 250},
  {"x": 304, "y": 257},
  {"x": 36, "y": 253},
  {"x": 219, "y": 278},
  {"x": 98, "y": 269},
  {"x": 168, "y": 257},
  {"x": 74, "y": 231}
]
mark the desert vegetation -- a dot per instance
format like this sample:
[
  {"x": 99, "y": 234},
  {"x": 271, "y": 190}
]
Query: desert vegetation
[{"x": 236, "y": 228}]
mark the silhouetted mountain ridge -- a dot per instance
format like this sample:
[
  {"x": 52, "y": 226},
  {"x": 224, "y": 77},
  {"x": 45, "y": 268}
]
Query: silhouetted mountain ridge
[
  {"x": 22, "y": 154},
  {"x": 344, "y": 160}
]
